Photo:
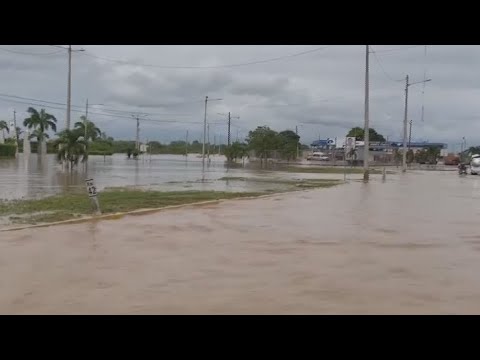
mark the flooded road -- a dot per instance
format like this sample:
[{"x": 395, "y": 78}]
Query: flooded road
[
  {"x": 34, "y": 177},
  {"x": 410, "y": 245}
]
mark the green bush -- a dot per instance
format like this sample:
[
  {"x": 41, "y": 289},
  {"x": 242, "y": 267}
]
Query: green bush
[
  {"x": 100, "y": 147},
  {"x": 7, "y": 150},
  {"x": 99, "y": 152}
]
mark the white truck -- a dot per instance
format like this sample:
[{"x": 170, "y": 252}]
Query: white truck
[{"x": 475, "y": 165}]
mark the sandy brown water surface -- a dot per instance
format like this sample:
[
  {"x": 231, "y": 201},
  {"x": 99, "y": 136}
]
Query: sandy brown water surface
[{"x": 407, "y": 246}]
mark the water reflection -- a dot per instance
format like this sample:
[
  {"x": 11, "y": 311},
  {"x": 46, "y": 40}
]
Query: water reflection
[{"x": 32, "y": 176}]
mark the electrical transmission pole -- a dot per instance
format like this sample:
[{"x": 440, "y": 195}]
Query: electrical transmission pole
[
  {"x": 204, "y": 132},
  {"x": 137, "y": 137},
  {"x": 230, "y": 117},
  {"x": 208, "y": 142},
  {"x": 367, "y": 125},
  {"x": 410, "y": 135},
  {"x": 15, "y": 132},
  {"x": 229, "y": 123},
  {"x": 404, "y": 154},
  {"x": 69, "y": 83},
  {"x": 186, "y": 144},
  {"x": 405, "y": 121},
  {"x": 137, "y": 140},
  {"x": 205, "y": 129},
  {"x": 69, "y": 86},
  {"x": 298, "y": 140}
]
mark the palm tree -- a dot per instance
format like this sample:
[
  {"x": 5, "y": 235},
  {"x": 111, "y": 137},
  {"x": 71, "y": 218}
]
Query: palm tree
[
  {"x": 3, "y": 127},
  {"x": 41, "y": 122},
  {"x": 93, "y": 132},
  {"x": 72, "y": 149}
]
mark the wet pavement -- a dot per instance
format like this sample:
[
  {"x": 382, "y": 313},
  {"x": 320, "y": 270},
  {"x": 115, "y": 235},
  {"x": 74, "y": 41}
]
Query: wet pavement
[{"x": 410, "y": 245}]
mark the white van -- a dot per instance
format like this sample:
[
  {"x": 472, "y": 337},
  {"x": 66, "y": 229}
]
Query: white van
[{"x": 475, "y": 165}]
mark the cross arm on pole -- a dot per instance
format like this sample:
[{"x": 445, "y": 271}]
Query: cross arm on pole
[{"x": 419, "y": 82}]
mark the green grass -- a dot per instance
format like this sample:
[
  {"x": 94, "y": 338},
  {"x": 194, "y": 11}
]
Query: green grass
[
  {"x": 68, "y": 206},
  {"x": 114, "y": 200}
]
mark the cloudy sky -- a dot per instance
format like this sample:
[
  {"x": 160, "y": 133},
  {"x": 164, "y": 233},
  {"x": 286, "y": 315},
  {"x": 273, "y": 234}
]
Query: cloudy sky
[{"x": 320, "y": 89}]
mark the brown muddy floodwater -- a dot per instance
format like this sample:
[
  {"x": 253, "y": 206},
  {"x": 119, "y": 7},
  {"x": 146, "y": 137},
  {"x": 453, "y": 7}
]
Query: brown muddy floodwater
[
  {"x": 31, "y": 177},
  {"x": 410, "y": 245}
]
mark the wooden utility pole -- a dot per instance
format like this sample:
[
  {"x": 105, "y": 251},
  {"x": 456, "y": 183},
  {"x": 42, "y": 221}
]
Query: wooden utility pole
[{"x": 366, "y": 136}]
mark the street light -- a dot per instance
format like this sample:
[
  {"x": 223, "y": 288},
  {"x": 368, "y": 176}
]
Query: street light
[
  {"x": 205, "y": 129},
  {"x": 405, "y": 121}
]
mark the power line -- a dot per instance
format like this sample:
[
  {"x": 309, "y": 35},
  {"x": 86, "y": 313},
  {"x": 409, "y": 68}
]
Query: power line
[
  {"x": 101, "y": 114},
  {"x": 398, "y": 49},
  {"x": 78, "y": 106},
  {"x": 28, "y": 53},
  {"x": 381, "y": 66},
  {"x": 207, "y": 67}
]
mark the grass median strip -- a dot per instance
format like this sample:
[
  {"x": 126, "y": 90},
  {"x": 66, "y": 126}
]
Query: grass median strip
[
  {"x": 68, "y": 206},
  {"x": 76, "y": 205}
]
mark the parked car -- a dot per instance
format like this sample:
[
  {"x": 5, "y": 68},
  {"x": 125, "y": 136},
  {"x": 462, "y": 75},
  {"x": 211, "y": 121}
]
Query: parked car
[{"x": 317, "y": 156}]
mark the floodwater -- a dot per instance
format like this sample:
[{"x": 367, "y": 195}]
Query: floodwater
[
  {"x": 409, "y": 245},
  {"x": 33, "y": 177}
]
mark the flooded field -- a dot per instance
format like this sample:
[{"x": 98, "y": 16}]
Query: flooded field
[
  {"x": 36, "y": 177},
  {"x": 409, "y": 245}
]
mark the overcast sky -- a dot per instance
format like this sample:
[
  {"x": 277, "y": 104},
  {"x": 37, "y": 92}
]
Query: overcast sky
[{"x": 321, "y": 91}]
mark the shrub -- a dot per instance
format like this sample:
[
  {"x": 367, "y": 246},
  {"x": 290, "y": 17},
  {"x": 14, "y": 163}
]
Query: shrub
[{"x": 7, "y": 150}]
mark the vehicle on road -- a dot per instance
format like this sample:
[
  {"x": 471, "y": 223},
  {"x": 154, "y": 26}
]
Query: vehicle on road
[
  {"x": 318, "y": 156},
  {"x": 475, "y": 164}
]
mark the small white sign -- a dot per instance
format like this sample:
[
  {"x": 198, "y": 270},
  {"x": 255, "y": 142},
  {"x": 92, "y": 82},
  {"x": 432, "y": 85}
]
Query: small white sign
[{"x": 91, "y": 188}]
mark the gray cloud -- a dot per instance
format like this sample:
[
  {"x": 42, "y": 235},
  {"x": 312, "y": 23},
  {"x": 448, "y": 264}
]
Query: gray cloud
[{"x": 321, "y": 92}]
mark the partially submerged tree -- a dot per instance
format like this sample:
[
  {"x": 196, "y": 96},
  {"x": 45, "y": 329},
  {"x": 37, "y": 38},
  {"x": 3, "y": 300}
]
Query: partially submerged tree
[
  {"x": 93, "y": 132},
  {"x": 263, "y": 141},
  {"x": 72, "y": 148},
  {"x": 236, "y": 151},
  {"x": 4, "y": 127},
  {"x": 288, "y": 142},
  {"x": 41, "y": 122}
]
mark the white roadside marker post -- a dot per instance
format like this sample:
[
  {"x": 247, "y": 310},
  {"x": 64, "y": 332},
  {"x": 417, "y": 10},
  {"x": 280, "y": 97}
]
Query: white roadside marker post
[{"x": 92, "y": 194}]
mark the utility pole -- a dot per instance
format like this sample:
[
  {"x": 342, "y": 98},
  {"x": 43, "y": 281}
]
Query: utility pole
[
  {"x": 410, "y": 135},
  {"x": 186, "y": 144},
  {"x": 229, "y": 122},
  {"x": 405, "y": 121},
  {"x": 205, "y": 129},
  {"x": 208, "y": 141},
  {"x": 204, "y": 132},
  {"x": 69, "y": 86},
  {"x": 69, "y": 83},
  {"x": 85, "y": 122},
  {"x": 137, "y": 140},
  {"x": 15, "y": 131},
  {"x": 366, "y": 135},
  {"x": 404, "y": 154},
  {"x": 298, "y": 142}
]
